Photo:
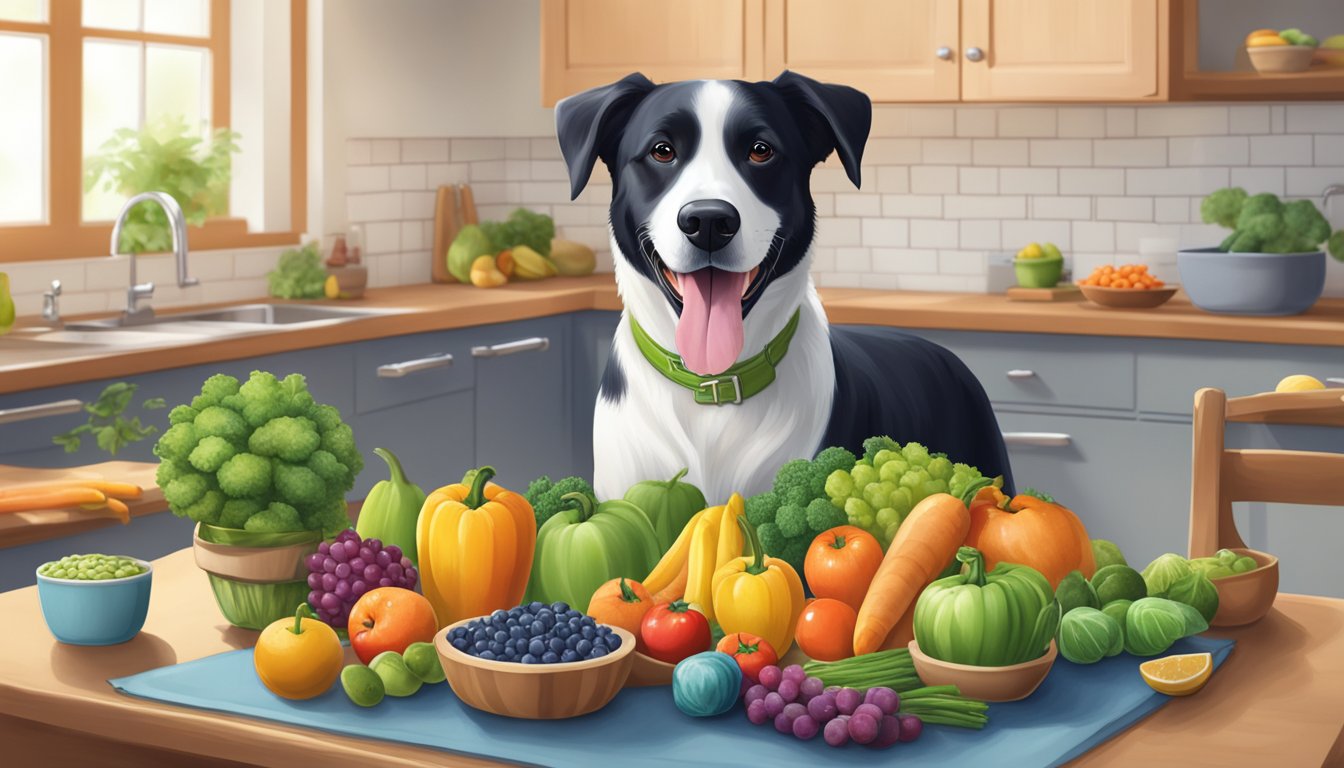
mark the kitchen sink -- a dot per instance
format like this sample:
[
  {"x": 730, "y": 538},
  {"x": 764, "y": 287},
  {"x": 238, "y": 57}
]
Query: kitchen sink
[{"x": 250, "y": 314}]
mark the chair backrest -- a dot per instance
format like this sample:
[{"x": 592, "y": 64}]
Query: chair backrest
[{"x": 1220, "y": 476}]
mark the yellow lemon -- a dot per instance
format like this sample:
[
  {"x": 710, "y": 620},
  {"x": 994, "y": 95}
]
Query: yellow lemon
[
  {"x": 1299, "y": 382},
  {"x": 1179, "y": 675},
  {"x": 1259, "y": 32},
  {"x": 332, "y": 287},
  {"x": 1259, "y": 41},
  {"x": 1032, "y": 251},
  {"x": 298, "y": 658}
]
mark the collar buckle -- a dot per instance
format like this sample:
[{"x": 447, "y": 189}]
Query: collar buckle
[{"x": 713, "y": 386}]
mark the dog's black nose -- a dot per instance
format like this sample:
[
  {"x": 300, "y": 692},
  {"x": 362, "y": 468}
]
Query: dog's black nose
[{"x": 709, "y": 224}]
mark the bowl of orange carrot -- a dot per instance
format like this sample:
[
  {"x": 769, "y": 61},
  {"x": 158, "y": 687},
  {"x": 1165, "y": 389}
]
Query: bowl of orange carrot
[
  {"x": 1130, "y": 286},
  {"x": 100, "y": 497}
]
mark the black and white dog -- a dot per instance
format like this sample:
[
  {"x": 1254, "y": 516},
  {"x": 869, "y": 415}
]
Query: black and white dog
[{"x": 723, "y": 361}]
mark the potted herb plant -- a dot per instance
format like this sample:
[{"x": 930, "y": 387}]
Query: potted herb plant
[{"x": 1271, "y": 264}]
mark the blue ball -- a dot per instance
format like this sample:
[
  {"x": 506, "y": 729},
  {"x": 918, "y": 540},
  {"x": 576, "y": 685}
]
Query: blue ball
[
  {"x": 572, "y": 641},
  {"x": 614, "y": 641},
  {"x": 535, "y": 605},
  {"x": 556, "y": 644}
]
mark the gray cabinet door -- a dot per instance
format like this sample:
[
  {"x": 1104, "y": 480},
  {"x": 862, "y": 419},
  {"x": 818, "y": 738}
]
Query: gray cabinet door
[
  {"x": 523, "y": 402},
  {"x": 592, "y": 336},
  {"x": 433, "y": 439}
]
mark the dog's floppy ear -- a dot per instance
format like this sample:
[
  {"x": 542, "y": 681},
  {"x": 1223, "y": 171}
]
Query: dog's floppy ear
[
  {"x": 831, "y": 117},
  {"x": 588, "y": 124}
]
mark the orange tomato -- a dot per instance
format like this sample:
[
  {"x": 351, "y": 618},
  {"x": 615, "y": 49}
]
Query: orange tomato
[
  {"x": 840, "y": 564},
  {"x": 622, "y": 603},
  {"x": 825, "y": 629}
]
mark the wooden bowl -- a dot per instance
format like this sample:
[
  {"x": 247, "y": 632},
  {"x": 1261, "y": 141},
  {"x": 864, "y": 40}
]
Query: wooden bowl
[
  {"x": 1273, "y": 59},
  {"x": 535, "y": 691},
  {"x": 1011, "y": 683},
  {"x": 646, "y": 671},
  {"x": 1246, "y": 597},
  {"x": 1128, "y": 298}
]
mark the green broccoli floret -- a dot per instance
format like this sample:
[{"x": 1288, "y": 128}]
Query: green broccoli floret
[
  {"x": 544, "y": 495},
  {"x": 340, "y": 442},
  {"x": 799, "y": 482},
  {"x": 1336, "y": 245},
  {"x": 326, "y": 417},
  {"x": 327, "y": 467},
  {"x": 236, "y": 512},
  {"x": 246, "y": 475},
  {"x": 772, "y": 540},
  {"x": 1304, "y": 221},
  {"x": 211, "y": 453},
  {"x": 878, "y": 443},
  {"x": 331, "y": 518},
  {"x": 298, "y": 274},
  {"x": 184, "y": 491},
  {"x": 182, "y": 414},
  {"x": 833, "y": 458},
  {"x": 792, "y": 520},
  {"x": 286, "y": 437},
  {"x": 523, "y": 227},
  {"x": 207, "y": 508},
  {"x": 215, "y": 389},
  {"x": 219, "y": 421},
  {"x": 795, "y": 552},
  {"x": 760, "y": 509},
  {"x": 169, "y": 471},
  {"x": 299, "y": 485},
  {"x": 275, "y": 518},
  {"x": 839, "y": 485},
  {"x": 176, "y": 443},
  {"x": 1223, "y": 207},
  {"x": 261, "y": 398},
  {"x": 1260, "y": 222},
  {"x": 822, "y": 515}
]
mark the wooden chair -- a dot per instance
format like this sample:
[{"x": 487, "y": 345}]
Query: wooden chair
[{"x": 1221, "y": 475}]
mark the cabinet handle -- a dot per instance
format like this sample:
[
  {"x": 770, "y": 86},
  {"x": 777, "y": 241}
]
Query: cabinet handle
[
  {"x": 943, "y": 53},
  {"x": 974, "y": 54},
  {"x": 1039, "y": 439},
  {"x": 397, "y": 370},
  {"x": 1334, "y": 382},
  {"x": 40, "y": 411},
  {"x": 534, "y": 344},
  {"x": 1021, "y": 373}
]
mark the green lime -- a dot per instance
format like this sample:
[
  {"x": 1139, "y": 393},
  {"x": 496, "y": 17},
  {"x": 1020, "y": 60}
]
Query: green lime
[{"x": 362, "y": 685}]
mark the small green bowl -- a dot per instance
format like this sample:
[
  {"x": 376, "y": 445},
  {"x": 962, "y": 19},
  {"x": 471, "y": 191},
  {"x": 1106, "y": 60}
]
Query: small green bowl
[{"x": 1038, "y": 273}]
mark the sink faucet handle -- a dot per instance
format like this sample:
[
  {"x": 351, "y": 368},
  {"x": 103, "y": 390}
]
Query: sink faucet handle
[{"x": 51, "y": 308}]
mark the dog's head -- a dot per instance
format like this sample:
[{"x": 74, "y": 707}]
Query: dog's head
[{"x": 710, "y": 198}]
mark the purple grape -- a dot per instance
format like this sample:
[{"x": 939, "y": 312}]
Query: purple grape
[
  {"x": 384, "y": 582},
  {"x": 871, "y": 710},
  {"x": 351, "y": 546},
  {"x": 383, "y": 559},
  {"x": 329, "y": 581},
  {"x": 373, "y": 573},
  {"x": 811, "y": 686},
  {"x": 888, "y": 733},
  {"x": 314, "y": 562},
  {"x": 374, "y": 544},
  {"x": 822, "y": 708},
  {"x": 358, "y": 588},
  {"x": 407, "y": 564},
  {"x": 911, "y": 727},
  {"x": 329, "y": 565},
  {"x": 837, "y": 732},
  {"x": 831, "y": 689},
  {"x": 863, "y": 728},
  {"x": 394, "y": 552},
  {"x": 323, "y": 548},
  {"x": 314, "y": 581},
  {"x": 315, "y": 598},
  {"x": 754, "y": 693},
  {"x": 331, "y": 602},
  {"x": 343, "y": 571},
  {"x": 795, "y": 673},
  {"x": 411, "y": 576},
  {"x": 783, "y": 723},
  {"x": 795, "y": 710},
  {"x": 366, "y": 553},
  {"x": 357, "y": 565},
  {"x": 756, "y": 712},
  {"x": 884, "y": 698},
  {"x": 342, "y": 590},
  {"x": 805, "y": 728},
  {"x": 338, "y": 552},
  {"x": 774, "y": 703},
  {"x": 788, "y": 688},
  {"x": 846, "y": 699},
  {"x": 770, "y": 677},
  {"x": 395, "y": 571}
]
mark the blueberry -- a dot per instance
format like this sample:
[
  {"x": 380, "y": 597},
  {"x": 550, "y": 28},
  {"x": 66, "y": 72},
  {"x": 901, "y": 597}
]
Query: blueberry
[
  {"x": 497, "y": 648},
  {"x": 487, "y": 655},
  {"x": 525, "y": 618},
  {"x": 584, "y": 647},
  {"x": 512, "y": 622},
  {"x": 601, "y": 643},
  {"x": 499, "y": 615},
  {"x": 535, "y": 606},
  {"x": 588, "y": 633},
  {"x": 528, "y": 659},
  {"x": 598, "y": 653},
  {"x": 500, "y": 636},
  {"x": 456, "y": 633},
  {"x": 560, "y": 607},
  {"x": 562, "y": 631},
  {"x": 479, "y": 634},
  {"x": 550, "y": 657},
  {"x": 481, "y": 645},
  {"x": 572, "y": 641},
  {"x": 538, "y": 629},
  {"x": 510, "y": 654},
  {"x": 460, "y": 643},
  {"x": 536, "y": 647},
  {"x": 603, "y": 631},
  {"x": 568, "y": 656},
  {"x": 614, "y": 642}
]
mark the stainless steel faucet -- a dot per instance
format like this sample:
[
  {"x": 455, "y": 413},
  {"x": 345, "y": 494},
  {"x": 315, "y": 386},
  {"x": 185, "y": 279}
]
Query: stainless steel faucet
[
  {"x": 177, "y": 224},
  {"x": 51, "y": 308},
  {"x": 1330, "y": 191}
]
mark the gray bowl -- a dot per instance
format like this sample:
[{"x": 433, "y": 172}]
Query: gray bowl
[{"x": 1252, "y": 283}]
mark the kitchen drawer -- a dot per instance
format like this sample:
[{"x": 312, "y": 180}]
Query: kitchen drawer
[
  {"x": 432, "y": 438},
  {"x": 1169, "y": 372},
  {"x": 1046, "y": 369},
  {"x": 407, "y": 369}
]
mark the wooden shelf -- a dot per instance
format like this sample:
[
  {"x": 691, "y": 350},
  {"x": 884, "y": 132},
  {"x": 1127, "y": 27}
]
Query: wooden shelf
[{"x": 1323, "y": 83}]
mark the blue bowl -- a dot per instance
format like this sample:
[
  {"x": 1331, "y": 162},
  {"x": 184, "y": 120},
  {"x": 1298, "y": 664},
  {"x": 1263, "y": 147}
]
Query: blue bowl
[
  {"x": 95, "y": 612},
  {"x": 1252, "y": 283}
]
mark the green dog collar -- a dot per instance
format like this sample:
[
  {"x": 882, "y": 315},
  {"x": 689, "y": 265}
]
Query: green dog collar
[{"x": 734, "y": 385}]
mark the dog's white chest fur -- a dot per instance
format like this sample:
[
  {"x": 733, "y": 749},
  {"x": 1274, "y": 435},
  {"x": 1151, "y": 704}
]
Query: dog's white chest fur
[{"x": 657, "y": 427}]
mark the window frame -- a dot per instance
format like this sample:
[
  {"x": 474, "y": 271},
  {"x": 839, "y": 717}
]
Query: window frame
[{"x": 65, "y": 235}]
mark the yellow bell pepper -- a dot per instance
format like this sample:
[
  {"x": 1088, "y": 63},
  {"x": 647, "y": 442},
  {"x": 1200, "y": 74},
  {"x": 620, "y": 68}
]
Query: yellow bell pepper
[
  {"x": 758, "y": 595},
  {"x": 715, "y": 541}
]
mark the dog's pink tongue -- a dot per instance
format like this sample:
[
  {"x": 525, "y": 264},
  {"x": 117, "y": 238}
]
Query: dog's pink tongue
[{"x": 709, "y": 333}]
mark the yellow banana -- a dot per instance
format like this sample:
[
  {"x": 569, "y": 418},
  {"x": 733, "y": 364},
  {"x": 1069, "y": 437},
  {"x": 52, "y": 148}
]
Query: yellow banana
[
  {"x": 674, "y": 559},
  {"x": 729, "y": 542},
  {"x": 530, "y": 265},
  {"x": 703, "y": 561}
]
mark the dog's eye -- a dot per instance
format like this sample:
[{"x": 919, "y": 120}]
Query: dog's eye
[
  {"x": 663, "y": 152},
  {"x": 760, "y": 152}
]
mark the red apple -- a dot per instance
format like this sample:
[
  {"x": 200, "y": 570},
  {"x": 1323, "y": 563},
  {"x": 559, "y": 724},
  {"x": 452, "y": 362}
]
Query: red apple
[{"x": 389, "y": 619}]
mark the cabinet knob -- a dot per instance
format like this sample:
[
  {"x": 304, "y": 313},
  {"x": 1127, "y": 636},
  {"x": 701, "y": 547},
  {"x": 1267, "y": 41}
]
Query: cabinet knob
[
  {"x": 943, "y": 53},
  {"x": 974, "y": 54},
  {"x": 1021, "y": 373}
]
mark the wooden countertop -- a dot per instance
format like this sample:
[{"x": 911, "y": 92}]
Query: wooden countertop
[
  {"x": 1276, "y": 699},
  {"x": 442, "y": 307}
]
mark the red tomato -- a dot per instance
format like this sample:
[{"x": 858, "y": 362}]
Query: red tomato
[
  {"x": 841, "y": 562},
  {"x": 749, "y": 651},
  {"x": 825, "y": 629},
  {"x": 673, "y": 631}
]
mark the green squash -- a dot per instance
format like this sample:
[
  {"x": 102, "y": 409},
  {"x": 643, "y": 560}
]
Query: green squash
[
  {"x": 669, "y": 505},
  {"x": 706, "y": 684},
  {"x": 588, "y": 544},
  {"x": 995, "y": 619},
  {"x": 392, "y": 508}
]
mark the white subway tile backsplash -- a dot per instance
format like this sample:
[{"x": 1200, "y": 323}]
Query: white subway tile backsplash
[
  {"x": 1061, "y": 152},
  {"x": 1029, "y": 181},
  {"x": 366, "y": 178},
  {"x": 1093, "y": 236},
  {"x": 856, "y": 204},
  {"x": 999, "y": 151},
  {"x": 358, "y": 152},
  {"x": 839, "y": 232},
  {"x": 947, "y": 151},
  {"x": 1048, "y": 207},
  {"x": 1182, "y": 121},
  {"x": 546, "y": 148},
  {"x": 1172, "y": 210},
  {"x": 1082, "y": 122},
  {"x": 466, "y": 150},
  {"x": 978, "y": 180},
  {"x": 418, "y": 205},
  {"x": 517, "y": 149},
  {"x": 933, "y": 179},
  {"x": 549, "y": 170},
  {"x": 382, "y": 237},
  {"x": 961, "y": 262},
  {"x": 1017, "y": 234},
  {"x": 905, "y": 261},
  {"x": 975, "y": 122},
  {"x": 912, "y": 206},
  {"x": 424, "y": 150},
  {"x": 442, "y": 174},
  {"x": 885, "y": 151},
  {"x": 1255, "y": 180},
  {"x": 933, "y": 233},
  {"x": 1027, "y": 121},
  {"x": 1128, "y": 153},
  {"x": 984, "y": 207},
  {"x": 408, "y": 177},
  {"x": 1209, "y": 150},
  {"x": 1281, "y": 150},
  {"x": 885, "y": 232},
  {"x": 384, "y": 151},
  {"x": 1174, "y": 181},
  {"x": 980, "y": 233},
  {"x": 1252, "y": 119},
  {"x": 852, "y": 260},
  {"x": 1310, "y": 182},
  {"x": 376, "y": 206},
  {"x": 1330, "y": 150},
  {"x": 931, "y": 121},
  {"x": 1091, "y": 181},
  {"x": 890, "y": 178},
  {"x": 1125, "y": 208},
  {"x": 1314, "y": 118},
  {"x": 413, "y": 235},
  {"x": 1121, "y": 121}
]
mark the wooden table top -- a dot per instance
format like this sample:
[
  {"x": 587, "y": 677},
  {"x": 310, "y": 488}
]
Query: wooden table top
[
  {"x": 1279, "y": 697},
  {"x": 27, "y": 527},
  {"x": 33, "y": 364}
]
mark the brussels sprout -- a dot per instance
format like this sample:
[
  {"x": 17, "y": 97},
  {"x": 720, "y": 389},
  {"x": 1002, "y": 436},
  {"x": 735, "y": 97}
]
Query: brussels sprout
[
  {"x": 1243, "y": 564},
  {"x": 1153, "y": 624},
  {"x": 1118, "y": 610},
  {"x": 1118, "y": 582},
  {"x": 1163, "y": 572},
  {"x": 1086, "y": 635},
  {"x": 1074, "y": 591},
  {"x": 1196, "y": 591},
  {"x": 1107, "y": 553}
]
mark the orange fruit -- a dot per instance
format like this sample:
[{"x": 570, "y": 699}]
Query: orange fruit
[
  {"x": 825, "y": 629},
  {"x": 389, "y": 619},
  {"x": 1261, "y": 41},
  {"x": 1260, "y": 32},
  {"x": 1179, "y": 675}
]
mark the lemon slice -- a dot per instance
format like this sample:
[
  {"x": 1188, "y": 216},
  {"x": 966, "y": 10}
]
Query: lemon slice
[
  {"x": 1179, "y": 675},
  {"x": 1299, "y": 382}
]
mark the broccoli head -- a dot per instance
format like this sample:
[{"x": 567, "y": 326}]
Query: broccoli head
[
  {"x": 792, "y": 520},
  {"x": 262, "y": 450},
  {"x": 761, "y": 508},
  {"x": 523, "y": 227},
  {"x": 830, "y": 459},
  {"x": 799, "y": 482},
  {"x": 772, "y": 540},
  {"x": 822, "y": 515},
  {"x": 1336, "y": 245},
  {"x": 1304, "y": 221},
  {"x": 1223, "y": 207},
  {"x": 544, "y": 495},
  {"x": 878, "y": 443}
]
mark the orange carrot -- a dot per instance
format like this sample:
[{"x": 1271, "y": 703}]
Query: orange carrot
[
  {"x": 52, "y": 499},
  {"x": 116, "y": 507},
  {"x": 925, "y": 543},
  {"x": 119, "y": 490}
]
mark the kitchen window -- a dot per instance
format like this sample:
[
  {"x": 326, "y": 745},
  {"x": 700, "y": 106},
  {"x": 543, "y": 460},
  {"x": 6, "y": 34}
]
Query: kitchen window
[{"x": 76, "y": 71}]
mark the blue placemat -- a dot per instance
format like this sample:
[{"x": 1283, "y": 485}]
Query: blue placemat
[{"x": 1074, "y": 710}]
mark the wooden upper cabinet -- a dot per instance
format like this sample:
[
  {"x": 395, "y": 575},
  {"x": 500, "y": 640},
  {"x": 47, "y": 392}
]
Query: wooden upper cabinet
[
  {"x": 886, "y": 49},
  {"x": 1093, "y": 50},
  {"x": 587, "y": 43}
]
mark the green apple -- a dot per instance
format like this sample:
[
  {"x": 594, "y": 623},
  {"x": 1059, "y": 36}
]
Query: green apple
[
  {"x": 398, "y": 679},
  {"x": 362, "y": 685},
  {"x": 6, "y": 305},
  {"x": 1334, "y": 42},
  {"x": 423, "y": 661},
  {"x": 1051, "y": 251}
]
